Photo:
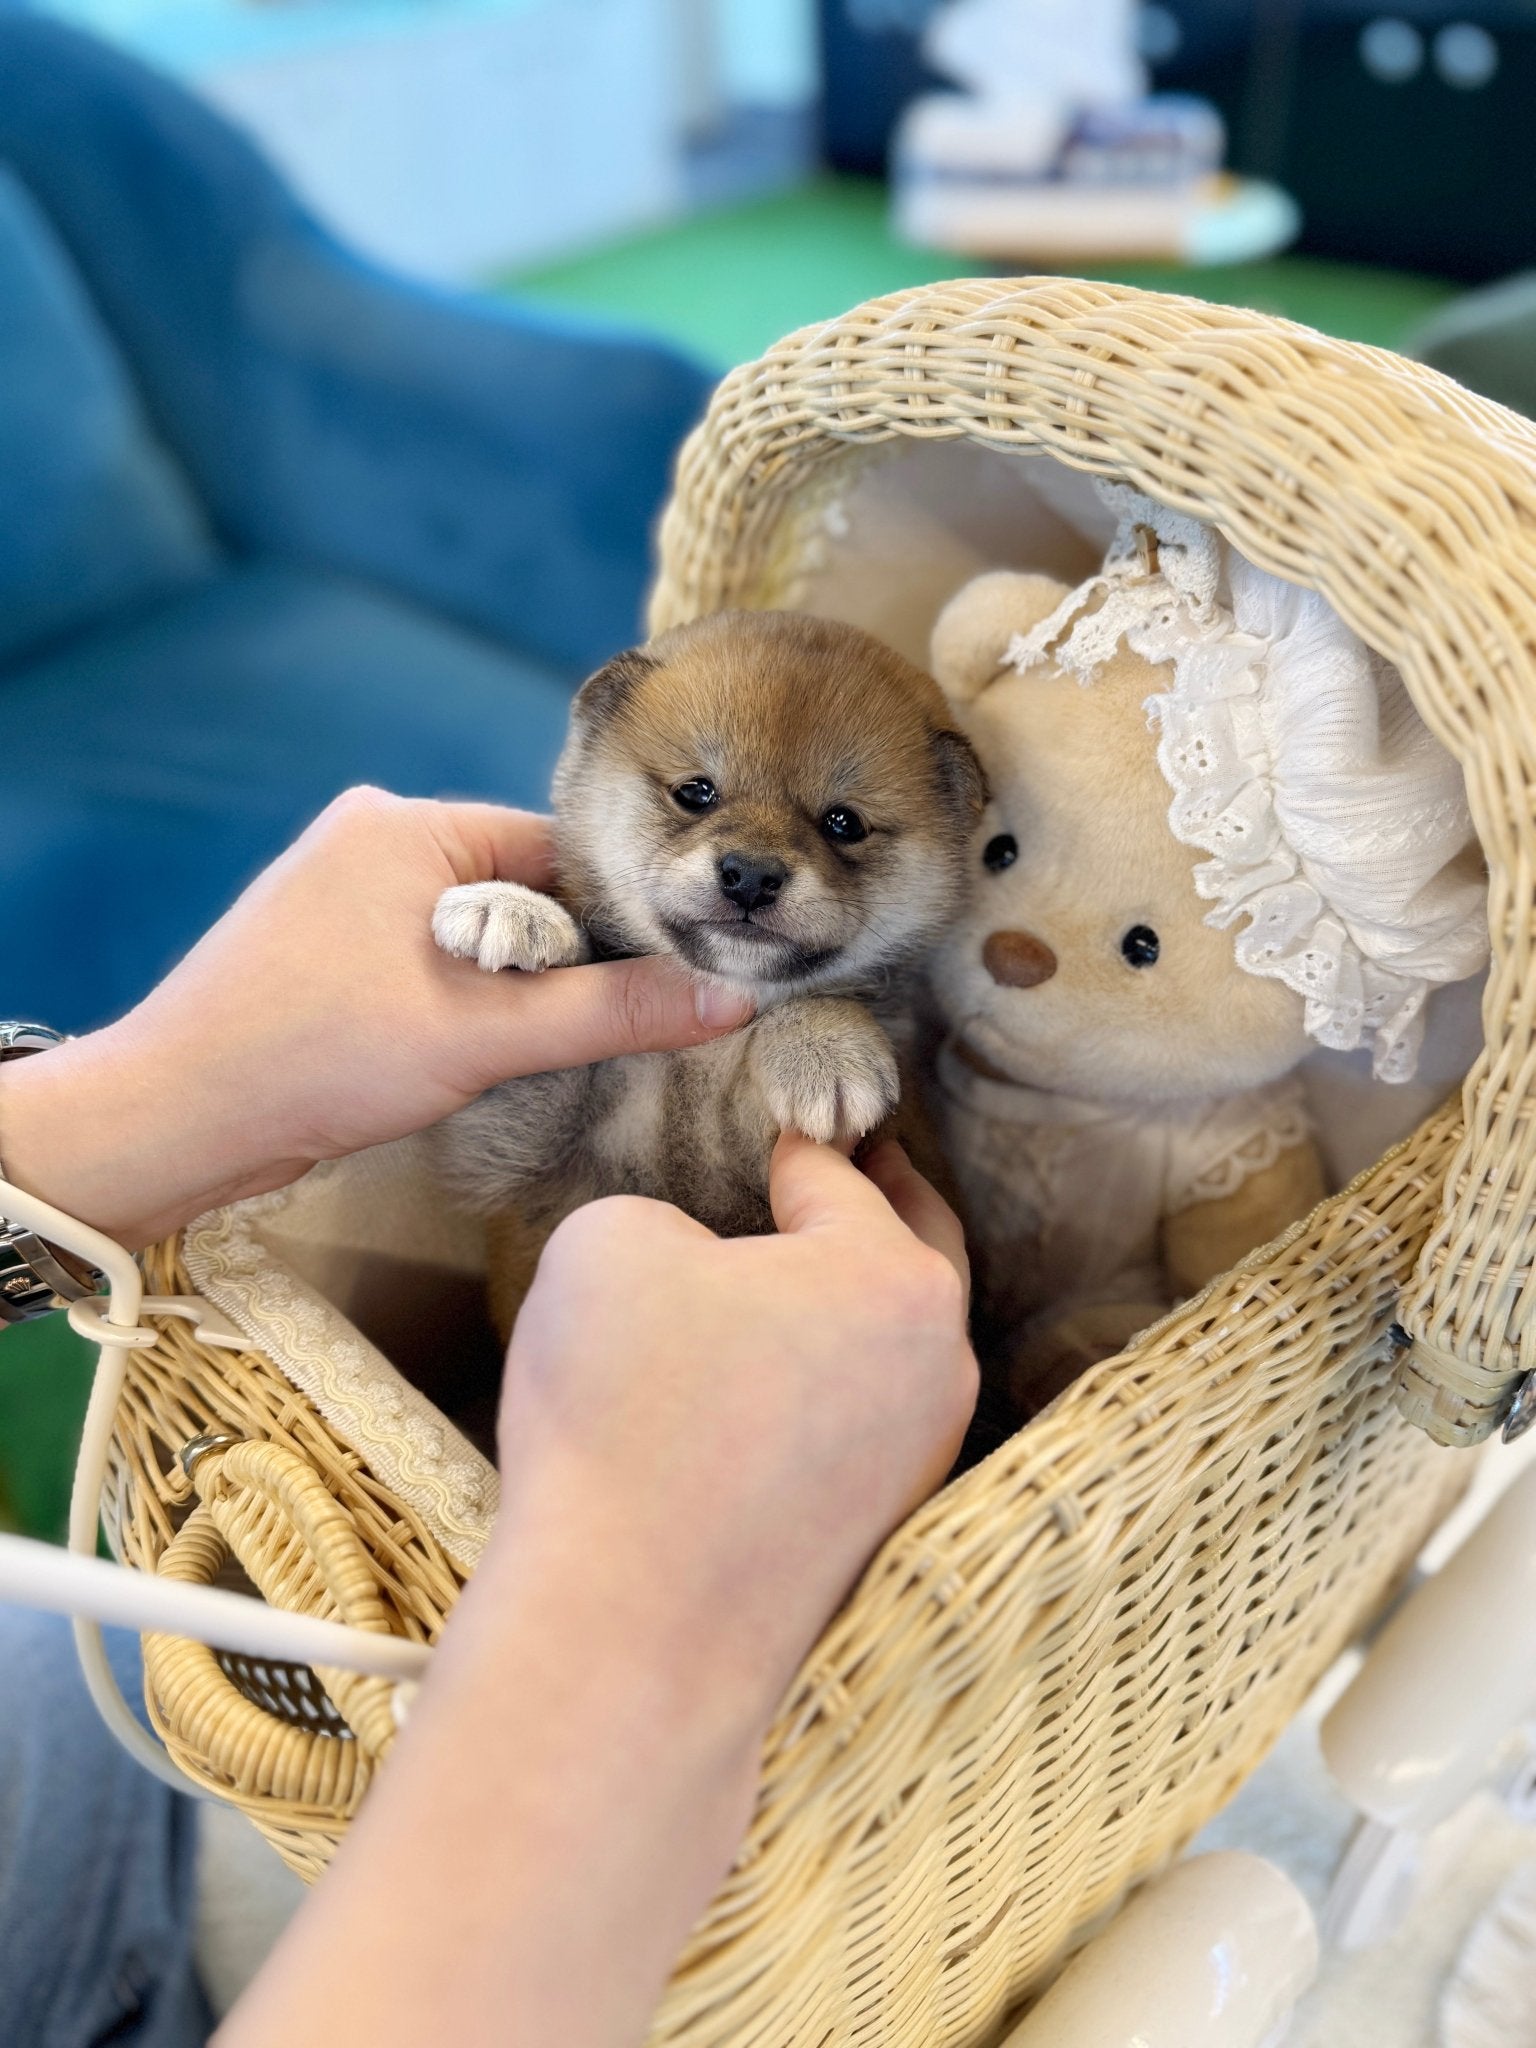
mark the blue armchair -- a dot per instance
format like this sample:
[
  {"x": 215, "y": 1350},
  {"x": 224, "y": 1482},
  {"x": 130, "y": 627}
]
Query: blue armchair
[{"x": 271, "y": 522}]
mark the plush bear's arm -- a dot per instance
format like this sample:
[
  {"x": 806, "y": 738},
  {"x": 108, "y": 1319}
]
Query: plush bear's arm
[
  {"x": 1057, "y": 1349},
  {"x": 1204, "y": 1240}
]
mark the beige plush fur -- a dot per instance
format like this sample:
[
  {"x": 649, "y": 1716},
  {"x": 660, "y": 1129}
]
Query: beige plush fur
[
  {"x": 1209, "y": 1238},
  {"x": 1037, "y": 993}
]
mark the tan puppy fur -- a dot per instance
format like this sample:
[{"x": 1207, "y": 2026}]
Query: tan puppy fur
[
  {"x": 784, "y": 804},
  {"x": 1075, "y": 784}
]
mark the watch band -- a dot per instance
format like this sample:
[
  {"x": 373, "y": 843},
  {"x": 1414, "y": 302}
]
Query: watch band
[
  {"x": 34, "y": 1274},
  {"x": 31, "y": 1277},
  {"x": 18, "y": 1039}
]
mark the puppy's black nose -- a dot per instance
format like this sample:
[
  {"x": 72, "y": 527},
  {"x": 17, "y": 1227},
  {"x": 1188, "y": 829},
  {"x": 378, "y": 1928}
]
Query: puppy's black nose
[{"x": 751, "y": 880}]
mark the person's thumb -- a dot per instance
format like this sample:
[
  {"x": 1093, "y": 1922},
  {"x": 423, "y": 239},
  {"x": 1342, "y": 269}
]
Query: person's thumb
[
  {"x": 918, "y": 1203},
  {"x": 574, "y": 1015},
  {"x": 817, "y": 1187}
]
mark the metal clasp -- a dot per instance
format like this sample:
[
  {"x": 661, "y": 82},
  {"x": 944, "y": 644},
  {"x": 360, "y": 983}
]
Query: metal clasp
[
  {"x": 1521, "y": 1412},
  {"x": 196, "y": 1448}
]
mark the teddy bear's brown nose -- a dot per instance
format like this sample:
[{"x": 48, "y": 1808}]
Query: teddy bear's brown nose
[{"x": 1018, "y": 959}]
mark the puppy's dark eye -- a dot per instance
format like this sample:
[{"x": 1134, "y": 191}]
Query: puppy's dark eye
[
  {"x": 1140, "y": 946},
  {"x": 845, "y": 826},
  {"x": 1000, "y": 853},
  {"x": 697, "y": 794}
]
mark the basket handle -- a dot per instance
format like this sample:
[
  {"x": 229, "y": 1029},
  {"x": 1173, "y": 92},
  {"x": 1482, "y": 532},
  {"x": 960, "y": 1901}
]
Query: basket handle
[
  {"x": 94, "y": 1592},
  {"x": 1470, "y": 1362},
  {"x": 263, "y": 1505}
]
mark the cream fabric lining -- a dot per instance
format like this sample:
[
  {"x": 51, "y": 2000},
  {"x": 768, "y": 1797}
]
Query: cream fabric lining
[
  {"x": 352, "y": 1218},
  {"x": 888, "y": 535}
]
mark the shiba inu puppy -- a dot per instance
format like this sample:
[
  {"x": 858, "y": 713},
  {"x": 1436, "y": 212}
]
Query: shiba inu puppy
[{"x": 783, "y": 803}]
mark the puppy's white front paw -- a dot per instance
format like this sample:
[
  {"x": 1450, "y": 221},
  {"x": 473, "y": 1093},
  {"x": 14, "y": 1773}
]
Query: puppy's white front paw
[
  {"x": 830, "y": 1083},
  {"x": 502, "y": 924}
]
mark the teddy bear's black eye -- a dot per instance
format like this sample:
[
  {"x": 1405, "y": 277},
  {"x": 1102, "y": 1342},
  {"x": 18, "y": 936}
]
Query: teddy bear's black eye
[
  {"x": 1140, "y": 946},
  {"x": 1000, "y": 853},
  {"x": 697, "y": 794},
  {"x": 845, "y": 826}
]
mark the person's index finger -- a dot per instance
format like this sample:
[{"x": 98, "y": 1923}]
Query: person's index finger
[
  {"x": 918, "y": 1203},
  {"x": 812, "y": 1187},
  {"x": 501, "y": 845}
]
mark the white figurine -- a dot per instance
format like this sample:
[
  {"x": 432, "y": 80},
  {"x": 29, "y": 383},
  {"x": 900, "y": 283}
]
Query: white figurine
[
  {"x": 1038, "y": 64},
  {"x": 1051, "y": 149}
]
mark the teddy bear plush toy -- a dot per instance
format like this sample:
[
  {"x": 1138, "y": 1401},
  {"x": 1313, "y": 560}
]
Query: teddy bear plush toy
[{"x": 1218, "y": 835}]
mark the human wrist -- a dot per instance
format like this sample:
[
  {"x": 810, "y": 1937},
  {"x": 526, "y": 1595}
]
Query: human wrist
[
  {"x": 114, "y": 1135},
  {"x": 570, "y": 1733},
  {"x": 633, "y": 1708},
  {"x": 688, "y": 1670},
  {"x": 565, "y": 1799}
]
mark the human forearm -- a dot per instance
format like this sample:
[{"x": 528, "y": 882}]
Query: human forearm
[
  {"x": 569, "y": 1792},
  {"x": 698, "y": 1453},
  {"x": 318, "y": 1018},
  {"x": 130, "y": 1139}
]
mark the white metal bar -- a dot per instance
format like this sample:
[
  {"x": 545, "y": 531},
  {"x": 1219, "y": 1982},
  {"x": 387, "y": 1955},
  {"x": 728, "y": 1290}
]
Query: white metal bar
[{"x": 39, "y": 1575}]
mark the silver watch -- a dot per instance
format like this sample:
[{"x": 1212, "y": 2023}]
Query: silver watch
[{"x": 35, "y": 1275}]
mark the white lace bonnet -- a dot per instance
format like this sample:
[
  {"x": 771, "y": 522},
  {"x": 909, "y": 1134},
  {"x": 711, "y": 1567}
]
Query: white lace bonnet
[{"x": 1333, "y": 818}]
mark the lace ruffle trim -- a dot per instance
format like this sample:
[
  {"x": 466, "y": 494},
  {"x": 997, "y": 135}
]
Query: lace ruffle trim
[
  {"x": 408, "y": 1443},
  {"x": 1288, "y": 1125},
  {"x": 1214, "y": 753}
]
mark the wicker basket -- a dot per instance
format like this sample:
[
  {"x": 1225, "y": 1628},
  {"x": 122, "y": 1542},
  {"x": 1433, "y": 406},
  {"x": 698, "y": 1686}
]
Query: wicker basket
[{"x": 1066, "y": 1661}]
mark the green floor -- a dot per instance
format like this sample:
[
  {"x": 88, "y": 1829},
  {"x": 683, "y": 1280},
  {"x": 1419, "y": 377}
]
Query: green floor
[
  {"x": 44, "y": 1379},
  {"x": 725, "y": 286}
]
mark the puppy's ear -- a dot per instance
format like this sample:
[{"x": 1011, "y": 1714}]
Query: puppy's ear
[
  {"x": 961, "y": 776},
  {"x": 604, "y": 693},
  {"x": 971, "y": 634}
]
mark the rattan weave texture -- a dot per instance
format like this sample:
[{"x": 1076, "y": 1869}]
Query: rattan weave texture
[
  {"x": 1408, "y": 502},
  {"x": 311, "y": 1528},
  {"x": 1060, "y": 1666}
]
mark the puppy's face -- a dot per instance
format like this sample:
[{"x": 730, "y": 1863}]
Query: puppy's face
[{"x": 780, "y": 800}]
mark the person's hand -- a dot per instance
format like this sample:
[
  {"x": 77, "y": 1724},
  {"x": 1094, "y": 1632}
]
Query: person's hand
[
  {"x": 727, "y": 1428},
  {"x": 318, "y": 1017},
  {"x": 702, "y": 1443}
]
